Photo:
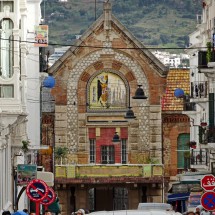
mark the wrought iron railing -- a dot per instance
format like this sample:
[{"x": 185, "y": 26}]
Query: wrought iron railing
[
  {"x": 199, "y": 89},
  {"x": 199, "y": 157}
]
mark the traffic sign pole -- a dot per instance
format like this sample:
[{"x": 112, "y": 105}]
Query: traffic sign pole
[{"x": 37, "y": 208}]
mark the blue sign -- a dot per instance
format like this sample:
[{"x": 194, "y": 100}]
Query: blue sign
[{"x": 208, "y": 201}]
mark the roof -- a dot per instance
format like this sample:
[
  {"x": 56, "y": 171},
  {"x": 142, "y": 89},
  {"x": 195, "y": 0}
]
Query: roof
[{"x": 134, "y": 43}]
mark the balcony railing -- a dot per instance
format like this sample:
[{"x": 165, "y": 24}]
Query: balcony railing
[
  {"x": 199, "y": 157},
  {"x": 211, "y": 135},
  {"x": 189, "y": 106},
  {"x": 199, "y": 89},
  {"x": 116, "y": 170}
]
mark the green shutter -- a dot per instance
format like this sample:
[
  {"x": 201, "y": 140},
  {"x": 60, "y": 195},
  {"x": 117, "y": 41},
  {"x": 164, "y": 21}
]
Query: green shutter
[{"x": 183, "y": 148}]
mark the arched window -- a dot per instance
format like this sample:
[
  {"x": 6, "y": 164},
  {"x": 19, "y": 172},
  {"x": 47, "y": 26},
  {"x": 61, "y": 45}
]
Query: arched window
[
  {"x": 183, "y": 151},
  {"x": 7, "y": 49}
]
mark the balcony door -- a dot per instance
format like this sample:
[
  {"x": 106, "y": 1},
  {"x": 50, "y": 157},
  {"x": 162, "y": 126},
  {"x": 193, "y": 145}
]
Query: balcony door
[
  {"x": 107, "y": 155},
  {"x": 183, "y": 151}
]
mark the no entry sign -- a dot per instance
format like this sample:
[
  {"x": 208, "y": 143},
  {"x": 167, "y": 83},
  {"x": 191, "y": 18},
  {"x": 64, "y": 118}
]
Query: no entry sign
[
  {"x": 208, "y": 201},
  {"x": 50, "y": 198},
  {"x": 37, "y": 190},
  {"x": 208, "y": 182}
]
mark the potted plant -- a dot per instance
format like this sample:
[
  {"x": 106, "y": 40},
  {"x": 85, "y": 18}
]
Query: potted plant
[
  {"x": 61, "y": 153},
  {"x": 192, "y": 144},
  {"x": 25, "y": 145}
]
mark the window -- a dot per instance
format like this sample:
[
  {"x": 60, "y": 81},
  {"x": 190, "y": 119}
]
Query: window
[
  {"x": 124, "y": 151},
  {"x": 7, "y": 49},
  {"x": 183, "y": 151},
  {"x": 120, "y": 198},
  {"x": 6, "y": 91},
  {"x": 92, "y": 151},
  {"x": 9, "y": 4},
  {"x": 107, "y": 155}
]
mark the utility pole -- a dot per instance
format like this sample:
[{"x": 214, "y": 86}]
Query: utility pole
[{"x": 95, "y": 9}]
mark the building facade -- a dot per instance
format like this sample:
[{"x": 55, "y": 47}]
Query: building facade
[
  {"x": 95, "y": 82},
  {"x": 19, "y": 79},
  {"x": 202, "y": 89}
]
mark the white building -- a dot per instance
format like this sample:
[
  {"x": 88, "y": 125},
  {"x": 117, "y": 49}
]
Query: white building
[
  {"x": 173, "y": 60},
  {"x": 19, "y": 91},
  {"x": 202, "y": 90}
]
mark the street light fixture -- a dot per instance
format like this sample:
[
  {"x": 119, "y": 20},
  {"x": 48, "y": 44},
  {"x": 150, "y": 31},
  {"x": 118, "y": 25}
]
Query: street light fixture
[
  {"x": 139, "y": 96},
  {"x": 116, "y": 138}
]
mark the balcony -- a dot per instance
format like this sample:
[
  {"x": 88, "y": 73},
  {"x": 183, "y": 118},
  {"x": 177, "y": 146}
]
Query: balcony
[
  {"x": 108, "y": 173},
  {"x": 199, "y": 159},
  {"x": 199, "y": 90}
]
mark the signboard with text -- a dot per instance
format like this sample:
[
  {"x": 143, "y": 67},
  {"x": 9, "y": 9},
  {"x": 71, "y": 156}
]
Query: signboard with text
[{"x": 26, "y": 173}]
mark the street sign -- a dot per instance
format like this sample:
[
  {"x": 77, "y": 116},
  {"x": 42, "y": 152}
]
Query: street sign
[
  {"x": 208, "y": 182},
  {"x": 50, "y": 198},
  {"x": 37, "y": 190},
  {"x": 208, "y": 201}
]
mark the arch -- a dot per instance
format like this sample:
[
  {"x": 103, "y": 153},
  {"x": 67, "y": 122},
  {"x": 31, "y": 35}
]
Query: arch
[{"x": 72, "y": 88}]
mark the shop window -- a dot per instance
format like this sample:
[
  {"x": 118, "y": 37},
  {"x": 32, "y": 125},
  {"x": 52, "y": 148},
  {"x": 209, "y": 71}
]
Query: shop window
[
  {"x": 107, "y": 155},
  {"x": 92, "y": 151},
  {"x": 7, "y": 49},
  {"x": 6, "y": 91}
]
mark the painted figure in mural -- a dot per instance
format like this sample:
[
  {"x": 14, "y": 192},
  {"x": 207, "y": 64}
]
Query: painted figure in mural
[{"x": 102, "y": 86}]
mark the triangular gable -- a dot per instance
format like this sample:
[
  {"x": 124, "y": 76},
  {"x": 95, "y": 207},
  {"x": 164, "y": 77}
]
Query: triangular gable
[{"x": 103, "y": 21}]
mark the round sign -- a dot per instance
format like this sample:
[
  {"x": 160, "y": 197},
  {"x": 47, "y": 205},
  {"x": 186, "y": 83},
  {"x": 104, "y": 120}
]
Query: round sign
[
  {"x": 37, "y": 190},
  {"x": 208, "y": 201},
  {"x": 50, "y": 198},
  {"x": 208, "y": 182}
]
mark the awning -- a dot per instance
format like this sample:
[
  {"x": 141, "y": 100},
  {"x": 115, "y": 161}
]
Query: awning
[{"x": 178, "y": 196}]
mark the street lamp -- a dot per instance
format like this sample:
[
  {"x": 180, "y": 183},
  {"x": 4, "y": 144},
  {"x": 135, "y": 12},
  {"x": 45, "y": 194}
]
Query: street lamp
[
  {"x": 116, "y": 138},
  {"x": 139, "y": 96}
]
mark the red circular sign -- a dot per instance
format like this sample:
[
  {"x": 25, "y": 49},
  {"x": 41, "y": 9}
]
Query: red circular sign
[
  {"x": 208, "y": 182},
  {"x": 208, "y": 201},
  {"x": 50, "y": 198},
  {"x": 37, "y": 190}
]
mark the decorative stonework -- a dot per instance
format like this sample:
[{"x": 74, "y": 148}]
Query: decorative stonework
[{"x": 72, "y": 88}]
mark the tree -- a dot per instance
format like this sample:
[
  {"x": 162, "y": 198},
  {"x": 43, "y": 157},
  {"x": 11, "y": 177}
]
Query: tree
[{"x": 61, "y": 153}]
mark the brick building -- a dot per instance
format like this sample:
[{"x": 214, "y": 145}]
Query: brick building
[{"x": 95, "y": 81}]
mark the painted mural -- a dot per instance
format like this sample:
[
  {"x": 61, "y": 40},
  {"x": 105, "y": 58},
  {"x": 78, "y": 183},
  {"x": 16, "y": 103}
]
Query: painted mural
[{"x": 107, "y": 91}]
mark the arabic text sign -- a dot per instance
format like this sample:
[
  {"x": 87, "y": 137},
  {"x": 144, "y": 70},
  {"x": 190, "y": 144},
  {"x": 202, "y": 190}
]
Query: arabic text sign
[
  {"x": 26, "y": 173},
  {"x": 37, "y": 190},
  {"x": 208, "y": 201},
  {"x": 41, "y": 36},
  {"x": 208, "y": 182}
]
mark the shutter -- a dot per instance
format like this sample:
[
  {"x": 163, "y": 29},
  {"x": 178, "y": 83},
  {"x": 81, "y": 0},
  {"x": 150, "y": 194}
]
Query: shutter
[{"x": 182, "y": 148}]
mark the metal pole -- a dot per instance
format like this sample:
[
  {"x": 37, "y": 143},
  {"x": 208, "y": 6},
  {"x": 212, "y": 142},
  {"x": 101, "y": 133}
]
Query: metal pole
[{"x": 95, "y": 9}]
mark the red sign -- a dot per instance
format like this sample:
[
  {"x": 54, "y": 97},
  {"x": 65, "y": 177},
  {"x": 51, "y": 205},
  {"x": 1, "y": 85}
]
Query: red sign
[
  {"x": 208, "y": 182},
  {"x": 50, "y": 198},
  {"x": 37, "y": 190},
  {"x": 208, "y": 201}
]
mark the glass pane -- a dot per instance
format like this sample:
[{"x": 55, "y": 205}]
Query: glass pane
[
  {"x": 124, "y": 151},
  {"x": 92, "y": 150},
  {"x": 6, "y": 49},
  {"x": 183, "y": 149},
  {"x": 6, "y": 91}
]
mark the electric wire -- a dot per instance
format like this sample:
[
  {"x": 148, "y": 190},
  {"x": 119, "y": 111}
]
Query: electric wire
[{"x": 106, "y": 47}]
